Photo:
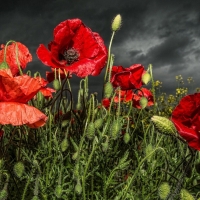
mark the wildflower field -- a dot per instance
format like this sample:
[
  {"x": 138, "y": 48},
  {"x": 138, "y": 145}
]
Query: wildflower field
[{"x": 135, "y": 143}]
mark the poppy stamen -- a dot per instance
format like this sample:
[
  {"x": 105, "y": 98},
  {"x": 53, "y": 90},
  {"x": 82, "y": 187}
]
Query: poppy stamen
[{"x": 71, "y": 55}]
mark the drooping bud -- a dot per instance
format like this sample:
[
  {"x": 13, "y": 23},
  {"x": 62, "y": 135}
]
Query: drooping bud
[
  {"x": 3, "y": 194},
  {"x": 143, "y": 102},
  {"x": 98, "y": 123},
  {"x": 115, "y": 129},
  {"x": 19, "y": 169},
  {"x": 75, "y": 156},
  {"x": 35, "y": 198},
  {"x": 163, "y": 125},
  {"x": 108, "y": 90},
  {"x": 185, "y": 195},
  {"x": 146, "y": 77},
  {"x": 64, "y": 145},
  {"x": 78, "y": 187},
  {"x": 116, "y": 23},
  {"x": 126, "y": 138},
  {"x": 58, "y": 191},
  {"x": 164, "y": 190},
  {"x": 56, "y": 84},
  {"x": 90, "y": 130}
]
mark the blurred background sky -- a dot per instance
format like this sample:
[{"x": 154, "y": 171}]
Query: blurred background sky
[{"x": 164, "y": 33}]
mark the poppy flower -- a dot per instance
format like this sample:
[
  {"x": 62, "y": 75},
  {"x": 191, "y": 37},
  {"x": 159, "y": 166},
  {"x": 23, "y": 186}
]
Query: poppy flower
[
  {"x": 23, "y": 56},
  {"x": 15, "y": 92},
  {"x": 186, "y": 118},
  {"x": 143, "y": 92},
  {"x": 74, "y": 48},
  {"x": 106, "y": 102},
  {"x": 127, "y": 78},
  {"x": 125, "y": 96},
  {"x": 46, "y": 91},
  {"x": 51, "y": 75}
]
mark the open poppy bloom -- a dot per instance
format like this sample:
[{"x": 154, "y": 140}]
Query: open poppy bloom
[
  {"x": 74, "y": 48},
  {"x": 15, "y": 92},
  {"x": 23, "y": 56},
  {"x": 125, "y": 96},
  {"x": 186, "y": 118},
  {"x": 143, "y": 92},
  {"x": 127, "y": 78}
]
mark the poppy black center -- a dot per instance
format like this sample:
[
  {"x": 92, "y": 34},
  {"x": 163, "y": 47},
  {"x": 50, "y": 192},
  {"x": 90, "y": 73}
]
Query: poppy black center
[{"x": 71, "y": 55}]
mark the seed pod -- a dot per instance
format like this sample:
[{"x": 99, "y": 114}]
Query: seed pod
[
  {"x": 58, "y": 191},
  {"x": 108, "y": 90},
  {"x": 163, "y": 125},
  {"x": 116, "y": 23},
  {"x": 185, "y": 195},
  {"x": 19, "y": 169},
  {"x": 164, "y": 190}
]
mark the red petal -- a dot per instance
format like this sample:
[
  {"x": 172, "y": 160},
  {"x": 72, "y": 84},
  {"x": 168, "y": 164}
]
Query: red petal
[{"x": 18, "y": 114}]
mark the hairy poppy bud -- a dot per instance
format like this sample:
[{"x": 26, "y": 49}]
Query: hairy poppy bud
[
  {"x": 58, "y": 191},
  {"x": 64, "y": 145},
  {"x": 164, "y": 190},
  {"x": 115, "y": 129},
  {"x": 78, "y": 187},
  {"x": 108, "y": 90},
  {"x": 4, "y": 65},
  {"x": 75, "y": 156},
  {"x": 126, "y": 138},
  {"x": 116, "y": 23},
  {"x": 163, "y": 125},
  {"x": 3, "y": 194},
  {"x": 146, "y": 77},
  {"x": 98, "y": 123},
  {"x": 19, "y": 169},
  {"x": 143, "y": 102},
  {"x": 56, "y": 84},
  {"x": 90, "y": 130},
  {"x": 185, "y": 195}
]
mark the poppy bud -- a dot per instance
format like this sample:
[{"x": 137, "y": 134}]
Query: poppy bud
[
  {"x": 116, "y": 23},
  {"x": 148, "y": 150},
  {"x": 3, "y": 194},
  {"x": 75, "y": 156},
  {"x": 126, "y": 138},
  {"x": 115, "y": 129},
  {"x": 56, "y": 84},
  {"x": 108, "y": 90},
  {"x": 185, "y": 195},
  {"x": 4, "y": 65},
  {"x": 78, "y": 106},
  {"x": 164, "y": 190},
  {"x": 19, "y": 169},
  {"x": 78, "y": 187},
  {"x": 65, "y": 123},
  {"x": 146, "y": 77},
  {"x": 98, "y": 123},
  {"x": 35, "y": 198},
  {"x": 64, "y": 145},
  {"x": 90, "y": 130},
  {"x": 143, "y": 102},
  {"x": 163, "y": 125},
  {"x": 58, "y": 191}
]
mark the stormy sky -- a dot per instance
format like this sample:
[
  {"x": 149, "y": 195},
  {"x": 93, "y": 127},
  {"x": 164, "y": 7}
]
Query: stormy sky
[{"x": 164, "y": 33}]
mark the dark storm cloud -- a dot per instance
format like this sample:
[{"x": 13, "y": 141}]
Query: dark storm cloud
[{"x": 165, "y": 33}]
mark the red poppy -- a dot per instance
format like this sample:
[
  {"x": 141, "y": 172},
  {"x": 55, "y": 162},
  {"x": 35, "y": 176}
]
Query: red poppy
[
  {"x": 186, "y": 118},
  {"x": 143, "y": 92},
  {"x": 15, "y": 92},
  {"x": 125, "y": 96},
  {"x": 127, "y": 78},
  {"x": 51, "y": 75},
  {"x": 106, "y": 102},
  {"x": 46, "y": 91},
  {"x": 75, "y": 48},
  {"x": 23, "y": 56}
]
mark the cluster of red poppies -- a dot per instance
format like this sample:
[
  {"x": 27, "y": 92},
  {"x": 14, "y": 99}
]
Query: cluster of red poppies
[{"x": 77, "y": 50}]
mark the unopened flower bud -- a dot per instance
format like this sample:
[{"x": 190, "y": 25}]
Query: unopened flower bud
[
  {"x": 108, "y": 90},
  {"x": 78, "y": 187},
  {"x": 116, "y": 23},
  {"x": 146, "y": 77},
  {"x": 58, "y": 191},
  {"x": 164, "y": 190},
  {"x": 185, "y": 195},
  {"x": 64, "y": 145},
  {"x": 90, "y": 130},
  {"x": 35, "y": 198},
  {"x": 98, "y": 123},
  {"x": 163, "y": 125},
  {"x": 3, "y": 194},
  {"x": 19, "y": 169},
  {"x": 75, "y": 156},
  {"x": 143, "y": 102},
  {"x": 56, "y": 84},
  {"x": 115, "y": 129},
  {"x": 126, "y": 138}
]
